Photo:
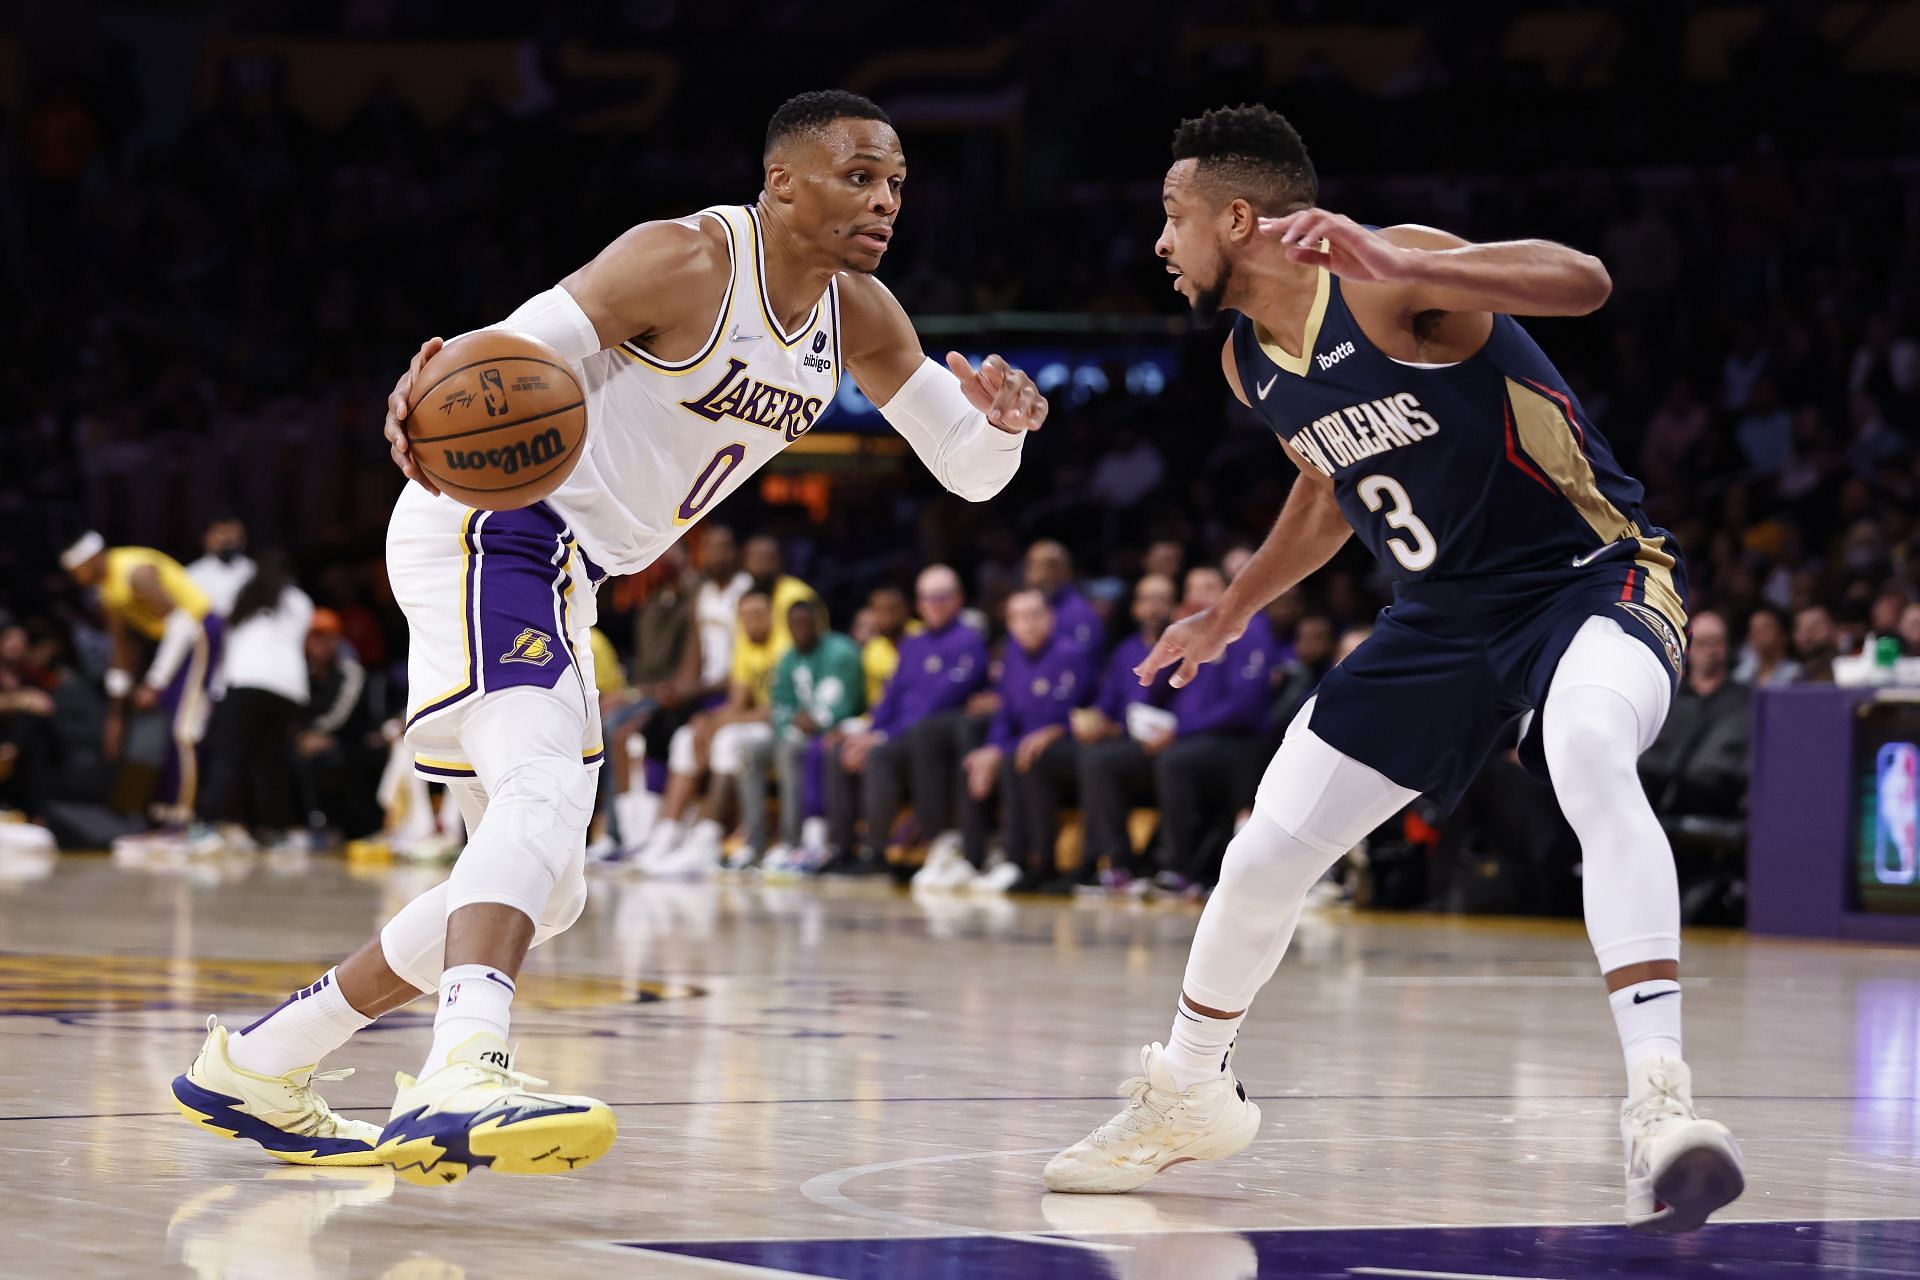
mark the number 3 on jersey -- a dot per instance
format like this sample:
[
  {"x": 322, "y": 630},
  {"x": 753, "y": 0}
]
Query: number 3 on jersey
[
  {"x": 1417, "y": 556},
  {"x": 709, "y": 482}
]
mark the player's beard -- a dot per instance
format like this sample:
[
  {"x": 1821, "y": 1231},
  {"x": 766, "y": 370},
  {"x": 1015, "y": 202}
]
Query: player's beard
[{"x": 1208, "y": 301}]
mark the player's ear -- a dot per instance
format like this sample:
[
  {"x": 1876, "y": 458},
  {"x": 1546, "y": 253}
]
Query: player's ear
[
  {"x": 1243, "y": 222},
  {"x": 780, "y": 180}
]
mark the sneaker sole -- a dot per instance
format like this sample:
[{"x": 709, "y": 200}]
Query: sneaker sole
[
  {"x": 545, "y": 1144},
  {"x": 1696, "y": 1184},
  {"x": 1118, "y": 1179},
  {"x": 220, "y": 1115}
]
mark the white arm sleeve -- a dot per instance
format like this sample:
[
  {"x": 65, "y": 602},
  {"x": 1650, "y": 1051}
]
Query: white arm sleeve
[
  {"x": 965, "y": 452},
  {"x": 175, "y": 643},
  {"x": 557, "y": 320}
]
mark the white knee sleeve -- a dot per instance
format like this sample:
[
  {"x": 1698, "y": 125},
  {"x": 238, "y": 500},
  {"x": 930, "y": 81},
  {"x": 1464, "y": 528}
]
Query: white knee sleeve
[
  {"x": 1313, "y": 805},
  {"x": 535, "y": 825},
  {"x": 680, "y": 756},
  {"x": 1606, "y": 704}
]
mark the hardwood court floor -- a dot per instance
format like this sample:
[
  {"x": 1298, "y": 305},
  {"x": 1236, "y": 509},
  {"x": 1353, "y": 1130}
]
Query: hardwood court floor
[{"x": 836, "y": 1081}]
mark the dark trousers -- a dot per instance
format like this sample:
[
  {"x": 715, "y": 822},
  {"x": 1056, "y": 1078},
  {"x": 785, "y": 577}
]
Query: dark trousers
[
  {"x": 923, "y": 761},
  {"x": 1030, "y": 804},
  {"x": 1116, "y": 776},
  {"x": 254, "y": 743},
  {"x": 338, "y": 785},
  {"x": 1204, "y": 781}
]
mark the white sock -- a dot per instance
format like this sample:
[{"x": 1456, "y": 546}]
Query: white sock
[
  {"x": 475, "y": 999},
  {"x": 709, "y": 832},
  {"x": 1648, "y": 1017},
  {"x": 308, "y": 1025},
  {"x": 1197, "y": 1046}
]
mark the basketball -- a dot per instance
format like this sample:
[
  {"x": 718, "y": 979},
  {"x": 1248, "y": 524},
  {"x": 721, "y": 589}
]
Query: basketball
[{"x": 498, "y": 421}]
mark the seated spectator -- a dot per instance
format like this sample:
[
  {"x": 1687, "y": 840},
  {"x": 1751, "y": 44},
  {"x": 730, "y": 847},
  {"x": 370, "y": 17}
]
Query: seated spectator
[
  {"x": 682, "y": 655},
  {"x": 1816, "y": 643},
  {"x": 816, "y": 687},
  {"x": 764, "y": 568},
  {"x": 28, "y": 758},
  {"x": 1910, "y": 630},
  {"x": 1049, "y": 570},
  {"x": 913, "y": 731},
  {"x": 880, "y": 652},
  {"x": 711, "y": 748},
  {"x": 1113, "y": 770},
  {"x": 1209, "y": 763},
  {"x": 1296, "y": 678},
  {"x": 1698, "y": 763},
  {"x": 1764, "y": 659},
  {"x": 1043, "y": 678},
  {"x": 339, "y": 751}
]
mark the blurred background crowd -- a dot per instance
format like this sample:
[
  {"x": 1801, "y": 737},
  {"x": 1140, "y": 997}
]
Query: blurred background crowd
[{"x": 226, "y": 233}]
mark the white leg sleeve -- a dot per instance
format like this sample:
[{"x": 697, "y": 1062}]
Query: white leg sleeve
[
  {"x": 1313, "y": 805},
  {"x": 1606, "y": 704}
]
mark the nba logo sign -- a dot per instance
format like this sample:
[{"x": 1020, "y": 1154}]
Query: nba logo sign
[{"x": 1897, "y": 819}]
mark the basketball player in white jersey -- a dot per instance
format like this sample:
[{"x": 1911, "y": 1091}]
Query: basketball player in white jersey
[{"x": 705, "y": 345}]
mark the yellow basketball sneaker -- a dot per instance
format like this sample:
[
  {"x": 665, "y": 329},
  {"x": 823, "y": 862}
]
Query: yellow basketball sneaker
[
  {"x": 282, "y": 1113},
  {"x": 477, "y": 1112}
]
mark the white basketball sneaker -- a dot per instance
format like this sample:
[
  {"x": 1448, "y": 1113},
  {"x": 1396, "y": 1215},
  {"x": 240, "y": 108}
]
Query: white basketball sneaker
[
  {"x": 1160, "y": 1127},
  {"x": 476, "y": 1112},
  {"x": 1680, "y": 1168},
  {"x": 946, "y": 866}
]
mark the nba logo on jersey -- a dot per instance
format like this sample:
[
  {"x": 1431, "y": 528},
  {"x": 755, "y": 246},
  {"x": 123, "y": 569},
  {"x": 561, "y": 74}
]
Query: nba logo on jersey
[{"x": 533, "y": 647}]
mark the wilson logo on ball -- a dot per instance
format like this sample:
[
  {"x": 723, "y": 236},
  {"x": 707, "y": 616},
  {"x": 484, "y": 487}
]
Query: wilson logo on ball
[{"x": 533, "y": 452}]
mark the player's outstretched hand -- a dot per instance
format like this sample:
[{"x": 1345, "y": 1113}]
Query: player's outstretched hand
[
  {"x": 1006, "y": 395},
  {"x": 399, "y": 405},
  {"x": 1190, "y": 642},
  {"x": 1350, "y": 250}
]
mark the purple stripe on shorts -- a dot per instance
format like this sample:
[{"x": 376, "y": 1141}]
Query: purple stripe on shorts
[{"x": 523, "y": 571}]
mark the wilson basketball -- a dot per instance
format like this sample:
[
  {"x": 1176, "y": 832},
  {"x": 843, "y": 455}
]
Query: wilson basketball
[{"x": 499, "y": 421}]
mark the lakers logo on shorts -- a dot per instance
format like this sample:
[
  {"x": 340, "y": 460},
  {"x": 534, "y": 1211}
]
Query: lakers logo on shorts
[
  {"x": 533, "y": 647},
  {"x": 1655, "y": 621}
]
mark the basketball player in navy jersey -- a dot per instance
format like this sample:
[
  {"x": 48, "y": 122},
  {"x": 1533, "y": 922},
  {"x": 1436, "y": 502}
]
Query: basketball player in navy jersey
[{"x": 1532, "y": 599}]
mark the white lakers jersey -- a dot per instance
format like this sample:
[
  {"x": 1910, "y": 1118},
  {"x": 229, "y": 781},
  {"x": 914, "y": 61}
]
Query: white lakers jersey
[{"x": 667, "y": 441}]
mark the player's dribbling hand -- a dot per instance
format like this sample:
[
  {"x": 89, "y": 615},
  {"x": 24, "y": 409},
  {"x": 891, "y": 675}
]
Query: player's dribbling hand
[
  {"x": 1351, "y": 251},
  {"x": 399, "y": 405},
  {"x": 997, "y": 389},
  {"x": 1190, "y": 642}
]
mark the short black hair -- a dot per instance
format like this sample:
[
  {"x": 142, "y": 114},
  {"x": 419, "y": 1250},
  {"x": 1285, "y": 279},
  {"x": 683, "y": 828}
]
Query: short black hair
[
  {"x": 818, "y": 108},
  {"x": 1250, "y": 151}
]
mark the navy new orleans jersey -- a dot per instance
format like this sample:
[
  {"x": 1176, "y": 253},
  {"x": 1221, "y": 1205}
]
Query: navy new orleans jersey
[{"x": 1501, "y": 513}]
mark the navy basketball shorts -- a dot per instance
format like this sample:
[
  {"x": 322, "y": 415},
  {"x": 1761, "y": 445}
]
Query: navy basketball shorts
[{"x": 1453, "y": 666}]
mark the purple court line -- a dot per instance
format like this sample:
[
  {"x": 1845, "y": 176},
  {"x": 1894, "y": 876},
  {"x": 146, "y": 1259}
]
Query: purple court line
[{"x": 1095, "y": 1097}]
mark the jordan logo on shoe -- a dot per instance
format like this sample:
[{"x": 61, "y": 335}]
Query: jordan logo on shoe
[{"x": 1642, "y": 997}]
